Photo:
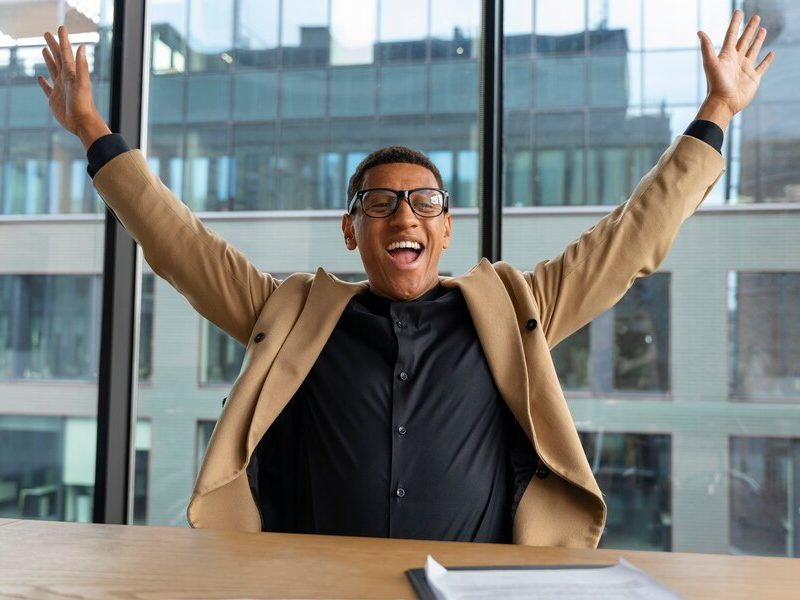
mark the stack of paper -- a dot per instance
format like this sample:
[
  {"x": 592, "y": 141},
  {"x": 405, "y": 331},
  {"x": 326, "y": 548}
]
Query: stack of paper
[{"x": 622, "y": 581}]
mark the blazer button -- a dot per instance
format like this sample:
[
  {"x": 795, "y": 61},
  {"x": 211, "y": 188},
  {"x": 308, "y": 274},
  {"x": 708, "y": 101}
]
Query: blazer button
[
  {"x": 224, "y": 400},
  {"x": 259, "y": 337},
  {"x": 531, "y": 324},
  {"x": 542, "y": 471}
]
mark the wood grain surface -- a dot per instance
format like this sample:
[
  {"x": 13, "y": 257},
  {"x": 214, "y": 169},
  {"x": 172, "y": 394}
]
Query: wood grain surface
[{"x": 72, "y": 560}]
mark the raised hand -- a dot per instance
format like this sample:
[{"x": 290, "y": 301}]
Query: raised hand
[
  {"x": 70, "y": 93},
  {"x": 732, "y": 75}
]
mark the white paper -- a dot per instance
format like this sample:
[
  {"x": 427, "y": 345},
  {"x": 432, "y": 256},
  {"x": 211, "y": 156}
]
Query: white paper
[{"x": 622, "y": 581}]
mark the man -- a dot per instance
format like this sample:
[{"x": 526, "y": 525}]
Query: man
[{"x": 409, "y": 405}]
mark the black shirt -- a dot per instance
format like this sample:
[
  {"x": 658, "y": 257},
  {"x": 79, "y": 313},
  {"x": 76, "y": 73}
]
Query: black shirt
[{"x": 397, "y": 431}]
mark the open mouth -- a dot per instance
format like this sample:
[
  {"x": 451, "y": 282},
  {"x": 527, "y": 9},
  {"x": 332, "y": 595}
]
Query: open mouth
[{"x": 405, "y": 254}]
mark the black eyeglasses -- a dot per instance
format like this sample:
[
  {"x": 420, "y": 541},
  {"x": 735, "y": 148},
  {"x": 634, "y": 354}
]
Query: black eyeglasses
[{"x": 381, "y": 202}]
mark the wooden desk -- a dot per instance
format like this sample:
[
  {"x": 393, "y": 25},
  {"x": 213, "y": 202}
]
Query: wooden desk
[{"x": 59, "y": 560}]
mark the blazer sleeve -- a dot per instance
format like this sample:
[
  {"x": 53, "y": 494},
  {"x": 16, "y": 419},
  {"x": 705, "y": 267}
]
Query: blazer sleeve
[
  {"x": 216, "y": 279},
  {"x": 595, "y": 270}
]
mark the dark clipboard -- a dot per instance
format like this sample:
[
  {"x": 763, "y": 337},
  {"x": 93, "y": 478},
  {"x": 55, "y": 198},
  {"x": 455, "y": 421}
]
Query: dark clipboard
[{"x": 424, "y": 591}]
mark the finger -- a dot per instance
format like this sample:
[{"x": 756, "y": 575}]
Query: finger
[
  {"x": 753, "y": 51},
  {"x": 747, "y": 35},
  {"x": 54, "y": 48},
  {"x": 706, "y": 49},
  {"x": 81, "y": 64},
  {"x": 764, "y": 64},
  {"x": 52, "y": 67},
  {"x": 46, "y": 87},
  {"x": 730, "y": 36},
  {"x": 67, "y": 59}
]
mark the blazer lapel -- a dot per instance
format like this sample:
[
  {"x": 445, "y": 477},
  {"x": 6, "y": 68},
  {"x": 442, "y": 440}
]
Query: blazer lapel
[
  {"x": 326, "y": 301},
  {"x": 494, "y": 318}
]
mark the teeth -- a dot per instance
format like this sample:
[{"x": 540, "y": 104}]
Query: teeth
[{"x": 412, "y": 245}]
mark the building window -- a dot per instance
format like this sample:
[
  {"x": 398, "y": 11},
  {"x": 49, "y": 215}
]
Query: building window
[
  {"x": 221, "y": 356},
  {"x": 47, "y": 467},
  {"x": 203, "y": 436},
  {"x": 146, "y": 327},
  {"x": 765, "y": 496},
  {"x": 764, "y": 341},
  {"x": 49, "y": 326},
  {"x": 626, "y": 349},
  {"x": 143, "y": 444},
  {"x": 633, "y": 470}
]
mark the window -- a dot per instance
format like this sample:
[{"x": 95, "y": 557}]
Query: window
[
  {"x": 204, "y": 431},
  {"x": 595, "y": 91},
  {"x": 764, "y": 335},
  {"x": 51, "y": 261},
  {"x": 624, "y": 350},
  {"x": 47, "y": 467},
  {"x": 633, "y": 470},
  {"x": 223, "y": 356},
  {"x": 765, "y": 496},
  {"x": 146, "y": 327},
  {"x": 49, "y": 326}
]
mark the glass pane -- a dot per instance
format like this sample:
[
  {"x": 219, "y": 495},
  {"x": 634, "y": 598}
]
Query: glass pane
[
  {"x": 765, "y": 334},
  {"x": 673, "y": 24},
  {"x": 560, "y": 17},
  {"x": 51, "y": 268},
  {"x": 641, "y": 336},
  {"x": 769, "y": 154},
  {"x": 633, "y": 470},
  {"x": 613, "y": 15},
  {"x": 262, "y": 148},
  {"x": 210, "y": 35},
  {"x": 765, "y": 496},
  {"x": 660, "y": 90},
  {"x": 221, "y": 357},
  {"x": 595, "y": 92},
  {"x": 571, "y": 358},
  {"x": 257, "y": 27}
]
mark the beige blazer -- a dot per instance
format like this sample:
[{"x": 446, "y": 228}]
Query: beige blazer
[{"x": 285, "y": 324}]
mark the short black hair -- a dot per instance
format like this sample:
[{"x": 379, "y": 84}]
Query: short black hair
[{"x": 390, "y": 154}]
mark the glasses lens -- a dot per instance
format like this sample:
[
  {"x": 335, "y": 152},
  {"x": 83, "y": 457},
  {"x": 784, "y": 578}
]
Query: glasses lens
[
  {"x": 378, "y": 203},
  {"x": 428, "y": 202}
]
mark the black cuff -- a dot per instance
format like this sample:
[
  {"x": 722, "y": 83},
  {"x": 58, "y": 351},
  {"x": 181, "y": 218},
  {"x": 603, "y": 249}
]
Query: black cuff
[
  {"x": 707, "y": 132},
  {"x": 103, "y": 150}
]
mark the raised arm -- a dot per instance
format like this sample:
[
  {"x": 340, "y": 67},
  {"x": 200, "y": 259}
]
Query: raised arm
[
  {"x": 218, "y": 280},
  {"x": 595, "y": 270}
]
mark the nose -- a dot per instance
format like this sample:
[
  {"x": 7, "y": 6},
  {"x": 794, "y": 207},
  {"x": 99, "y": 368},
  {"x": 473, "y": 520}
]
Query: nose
[{"x": 404, "y": 216}]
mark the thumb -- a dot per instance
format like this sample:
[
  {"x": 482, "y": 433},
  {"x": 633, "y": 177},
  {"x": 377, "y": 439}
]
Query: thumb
[{"x": 707, "y": 49}]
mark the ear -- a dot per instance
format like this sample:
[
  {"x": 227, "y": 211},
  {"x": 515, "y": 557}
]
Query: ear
[
  {"x": 349, "y": 232},
  {"x": 448, "y": 221}
]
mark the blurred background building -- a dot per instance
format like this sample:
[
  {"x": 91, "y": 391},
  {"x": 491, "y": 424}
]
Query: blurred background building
[{"x": 686, "y": 394}]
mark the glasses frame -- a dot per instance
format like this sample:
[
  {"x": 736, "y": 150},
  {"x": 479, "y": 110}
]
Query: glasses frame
[{"x": 400, "y": 195}]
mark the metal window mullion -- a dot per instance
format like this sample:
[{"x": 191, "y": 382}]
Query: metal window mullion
[
  {"x": 491, "y": 129},
  {"x": 118, "y": 343}
]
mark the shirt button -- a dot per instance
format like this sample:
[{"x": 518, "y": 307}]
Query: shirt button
[
  {"x": 400, "y": 492},
  {"x": 401, "y": 430},
  {"x": 400, "y": 324},
  {"x": 403, "y": 376},
  {"x": 542, "y": 471}
]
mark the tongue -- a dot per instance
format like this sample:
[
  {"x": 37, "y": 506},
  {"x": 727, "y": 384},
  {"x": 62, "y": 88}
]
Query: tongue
[{"x": 404, "y": 255}]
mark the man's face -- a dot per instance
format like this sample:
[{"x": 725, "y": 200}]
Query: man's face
[{"x": 399, "y": 274}]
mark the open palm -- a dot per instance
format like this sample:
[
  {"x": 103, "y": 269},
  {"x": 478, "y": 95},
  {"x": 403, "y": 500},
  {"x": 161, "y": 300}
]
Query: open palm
[
  {"x": 731, "y": 75},
  {"x": 69, "y": 92}
]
